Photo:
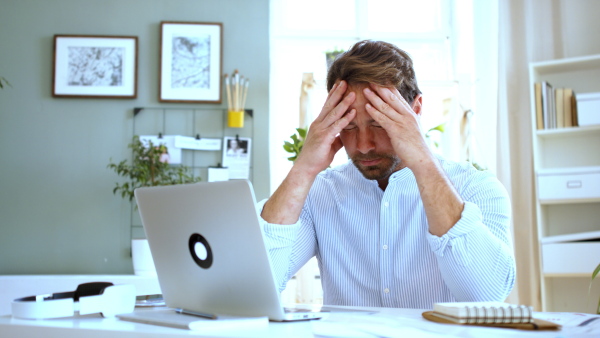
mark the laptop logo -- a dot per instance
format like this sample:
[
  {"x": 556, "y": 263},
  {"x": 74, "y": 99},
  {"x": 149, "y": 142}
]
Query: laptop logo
[{"x": 200, "y": 251}]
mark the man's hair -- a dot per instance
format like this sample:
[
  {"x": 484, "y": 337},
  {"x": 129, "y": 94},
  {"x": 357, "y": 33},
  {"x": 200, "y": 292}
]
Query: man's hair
[{"x": 376, "y": 62}]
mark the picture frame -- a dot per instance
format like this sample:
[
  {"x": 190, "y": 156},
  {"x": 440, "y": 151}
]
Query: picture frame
[
  {"x": 95, "y": 66},
  {"x": 191, "y": 59}
]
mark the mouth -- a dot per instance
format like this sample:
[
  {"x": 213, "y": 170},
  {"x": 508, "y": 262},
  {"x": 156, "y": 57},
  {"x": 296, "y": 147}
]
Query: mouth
[{"x": 370, "y": 162}]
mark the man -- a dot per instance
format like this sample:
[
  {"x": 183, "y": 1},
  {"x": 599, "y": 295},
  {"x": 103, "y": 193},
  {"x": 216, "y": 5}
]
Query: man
[{"x": 397, "y": 226}]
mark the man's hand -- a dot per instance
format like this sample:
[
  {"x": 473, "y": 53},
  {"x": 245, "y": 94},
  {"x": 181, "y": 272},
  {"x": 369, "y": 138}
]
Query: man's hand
[
  {"x": 397, "y": 117},
  {"x": 443, "y": 205},
  {"x": 322, "y": 140},
  {"x": 320, "y": 146}
]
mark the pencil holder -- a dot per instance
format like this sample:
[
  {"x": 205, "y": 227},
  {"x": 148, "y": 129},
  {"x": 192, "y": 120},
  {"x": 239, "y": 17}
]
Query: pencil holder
[{"x": 235, "y": 119}]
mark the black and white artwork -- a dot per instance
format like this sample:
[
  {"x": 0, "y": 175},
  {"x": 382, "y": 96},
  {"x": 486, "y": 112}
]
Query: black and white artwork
[
  {"x": 190, "y": 67},
  {"x": 95, "y": 66},
  {"x": 190, "y": 62}
]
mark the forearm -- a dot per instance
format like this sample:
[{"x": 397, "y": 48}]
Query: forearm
[
  {"x": 442, "y": 203},
  {"x": 285, "y": 205},
  {"x": 289, "y": 247},
  {"x": 475, "y": 257},
  {"x": 478, "y": 267}
]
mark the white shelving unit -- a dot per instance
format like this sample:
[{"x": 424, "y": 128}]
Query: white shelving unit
[{"x": 566, "y": 164}]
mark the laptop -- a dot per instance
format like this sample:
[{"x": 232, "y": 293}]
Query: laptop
[{"x": 209, "y": 251}]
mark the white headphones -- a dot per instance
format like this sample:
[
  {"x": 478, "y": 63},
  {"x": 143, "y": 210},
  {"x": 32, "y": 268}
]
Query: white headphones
[{"x": 103, "y": 297}]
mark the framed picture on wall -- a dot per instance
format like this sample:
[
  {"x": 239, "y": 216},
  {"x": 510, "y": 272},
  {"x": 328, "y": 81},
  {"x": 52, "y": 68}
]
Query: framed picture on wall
[
  {"x": 190, "y": 62},
  {"x": 95, "y": 66}
]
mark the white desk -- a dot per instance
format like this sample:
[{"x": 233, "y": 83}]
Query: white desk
[{"x": 387, "y": 323}]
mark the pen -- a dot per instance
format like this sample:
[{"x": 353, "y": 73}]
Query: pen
[{"x": 197, "y": 314}]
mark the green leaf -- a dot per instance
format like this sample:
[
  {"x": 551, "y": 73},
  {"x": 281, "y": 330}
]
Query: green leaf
[
  {"x": 288, "y": 147},
  {"x": 296, "y": 146},
  {"x": 302, "y": 132},
  {"x": 441, "y": 128},
  {"x": 596, "y": 271}
]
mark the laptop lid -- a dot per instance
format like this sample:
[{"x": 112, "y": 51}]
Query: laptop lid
[{"x": 208, "y": 249}]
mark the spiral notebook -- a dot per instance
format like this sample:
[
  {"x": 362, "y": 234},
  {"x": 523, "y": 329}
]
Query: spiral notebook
[{"x": 496, "y": 314}]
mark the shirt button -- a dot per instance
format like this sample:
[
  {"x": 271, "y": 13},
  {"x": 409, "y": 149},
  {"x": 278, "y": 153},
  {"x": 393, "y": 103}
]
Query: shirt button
[
  {"x": 385, "y": 247},
  {"x": 386, "y": 290},
  {"x": 386, "y": 204}
]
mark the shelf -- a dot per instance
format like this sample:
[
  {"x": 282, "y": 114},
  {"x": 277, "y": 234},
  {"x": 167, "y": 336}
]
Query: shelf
[
  {"x": 568, "y": 275},
  {"x": 567, "y": 65},
  {"x": 566, "y": 167},
  {"x": 569, "y": 201},
  {"x": 569, "y": 170},
  {"x": 582, "y": 236},
  {"x": 568, "y": 132}
]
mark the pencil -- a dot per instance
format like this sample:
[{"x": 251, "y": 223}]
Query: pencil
[
  {"x": 227, "y": 87},
  {"x": 236, "y": 95},
  {"x": 246, "y": 84}
]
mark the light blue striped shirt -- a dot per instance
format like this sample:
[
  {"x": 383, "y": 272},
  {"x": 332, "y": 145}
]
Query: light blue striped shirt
[{"x": 374, "y": 247}]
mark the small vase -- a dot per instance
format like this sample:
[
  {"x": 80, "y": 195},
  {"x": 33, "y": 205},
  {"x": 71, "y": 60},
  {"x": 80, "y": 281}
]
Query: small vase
[{"x": 143, "y": 264}]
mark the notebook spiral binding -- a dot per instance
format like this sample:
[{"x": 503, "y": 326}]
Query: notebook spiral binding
[{"x": 495, "y": 315}]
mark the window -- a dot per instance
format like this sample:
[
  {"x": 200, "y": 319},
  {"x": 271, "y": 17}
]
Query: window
[{"x": 302, "y": 31}]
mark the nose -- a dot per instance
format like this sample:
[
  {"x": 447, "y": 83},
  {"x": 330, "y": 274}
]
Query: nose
[{"x": 365, "y": 142}]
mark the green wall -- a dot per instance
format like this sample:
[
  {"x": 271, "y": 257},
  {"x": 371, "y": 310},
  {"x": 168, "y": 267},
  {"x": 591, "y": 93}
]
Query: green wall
[{"x": 57, "y": 211}]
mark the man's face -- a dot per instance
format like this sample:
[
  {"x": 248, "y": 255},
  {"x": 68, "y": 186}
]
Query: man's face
[{"x": 367, "y": 143}]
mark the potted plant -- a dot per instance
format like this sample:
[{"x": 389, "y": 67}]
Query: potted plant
[{"x": 149, "y": 167}]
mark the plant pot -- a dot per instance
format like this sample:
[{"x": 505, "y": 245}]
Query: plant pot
[{"x": 143, "y": 264}]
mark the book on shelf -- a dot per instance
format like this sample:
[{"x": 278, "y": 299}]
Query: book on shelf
[
  {"x": 539, "y": 114},
  {"x": 574, "y": 117},
  {"x": 560, "y": 109},
  {"x": 568, "y": 106},
  {"x": 547, "y": 104},
  {"x": 554, "y": 107},
  {"x": 493, "y": 314}
]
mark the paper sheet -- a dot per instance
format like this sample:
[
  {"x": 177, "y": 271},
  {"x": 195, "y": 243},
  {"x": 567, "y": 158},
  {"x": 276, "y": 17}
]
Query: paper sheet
[
  {"x": 218, "y": 174},
  {"x": 186, "y": 142},
  {"x": 236, "y": 156}
]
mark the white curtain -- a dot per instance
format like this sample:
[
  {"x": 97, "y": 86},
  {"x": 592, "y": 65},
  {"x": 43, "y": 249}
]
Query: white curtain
[{"x": 529, "y": 30}]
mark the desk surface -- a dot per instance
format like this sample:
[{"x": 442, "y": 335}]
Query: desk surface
[{"x": 387, "y": 323}]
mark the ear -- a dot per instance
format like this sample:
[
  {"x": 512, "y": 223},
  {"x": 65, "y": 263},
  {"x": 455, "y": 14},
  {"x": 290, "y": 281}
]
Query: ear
[{"x": 417, "y": 104}]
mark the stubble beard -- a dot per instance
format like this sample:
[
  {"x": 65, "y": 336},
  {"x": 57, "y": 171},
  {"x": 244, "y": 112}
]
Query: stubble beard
[{"x": 380, "y": 171}]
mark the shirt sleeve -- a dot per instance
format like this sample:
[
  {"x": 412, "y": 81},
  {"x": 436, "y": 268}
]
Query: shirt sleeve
[
  {"x": 475, "y": 256},
  {"x": 289, "y": 246}
]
